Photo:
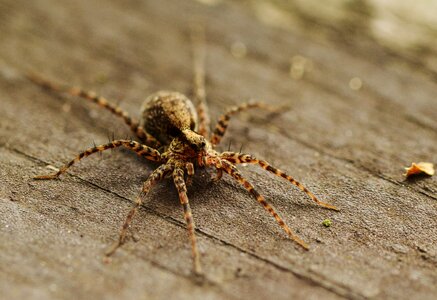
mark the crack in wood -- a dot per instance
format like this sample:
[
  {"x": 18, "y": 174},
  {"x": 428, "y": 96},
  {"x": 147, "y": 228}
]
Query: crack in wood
[{"x": 306, "y": 275}]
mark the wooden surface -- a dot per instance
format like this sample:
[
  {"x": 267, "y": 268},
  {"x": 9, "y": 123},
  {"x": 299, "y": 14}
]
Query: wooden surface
[{"x": 346, "y": 145}]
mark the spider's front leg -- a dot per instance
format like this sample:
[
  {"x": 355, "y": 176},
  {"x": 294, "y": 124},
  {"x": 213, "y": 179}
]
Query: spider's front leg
[
  {"x": 223, "y": 121},
  {"x": 190, "y": 173},
  {"x": 238, "y": 158},
  {"x": 232, "y": 170},
  {"x": 153, "y": 178},
  {"x": 178, "y": 178},
  {"x": 141, "y": 150}
]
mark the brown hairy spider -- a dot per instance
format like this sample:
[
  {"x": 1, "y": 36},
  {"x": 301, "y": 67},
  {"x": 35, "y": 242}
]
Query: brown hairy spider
[{"x": 170, "y": 122}]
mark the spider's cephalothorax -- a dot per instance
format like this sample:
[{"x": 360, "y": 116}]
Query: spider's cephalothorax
[{"x": 181, "y": 132}]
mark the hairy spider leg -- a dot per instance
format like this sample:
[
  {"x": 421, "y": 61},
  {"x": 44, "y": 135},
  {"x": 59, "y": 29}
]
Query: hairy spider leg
[
  {"x": 232, "y": 170},
  {"x": 199, "y": 53},
  {"x": 178, "y": 178},
  {"x": 141, "y": 150},
  {"x": 151, "y": 181},
  {"x": 223, "y": 121},
  {"x": 238, "y": 158},
  {"x": 134, "y": 125},
  {"x": 189, "y": 167}
]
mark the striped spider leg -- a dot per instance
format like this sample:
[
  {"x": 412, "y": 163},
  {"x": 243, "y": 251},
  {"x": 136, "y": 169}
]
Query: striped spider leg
[
  {"x": 178, "y": 178},
  {"x": 231, "y": 169},
  {"x": 141, "y": 150},
  {"x": 199, "y": 53},
  {"x": 157, "y": 175},
  {"x": 238, "y": 158},
  {"x": 223, "y": 120},
  {"x": 226, "y": 162},
  {"x": 133, "y": 124}
]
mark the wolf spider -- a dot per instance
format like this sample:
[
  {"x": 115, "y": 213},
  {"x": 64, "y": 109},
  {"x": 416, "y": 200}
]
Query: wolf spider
[{"x": 171, "y": 124}]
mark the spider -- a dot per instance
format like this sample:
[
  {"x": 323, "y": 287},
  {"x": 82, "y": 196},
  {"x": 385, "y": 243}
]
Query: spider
[{"x": 176, "y": 134}]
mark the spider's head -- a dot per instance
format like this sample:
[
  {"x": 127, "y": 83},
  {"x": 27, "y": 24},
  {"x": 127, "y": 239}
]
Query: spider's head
[{"x": 194, "y": 140}]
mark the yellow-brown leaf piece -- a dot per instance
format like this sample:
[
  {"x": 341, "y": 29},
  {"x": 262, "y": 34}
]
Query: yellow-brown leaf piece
[{"x": 419, "y": 168}]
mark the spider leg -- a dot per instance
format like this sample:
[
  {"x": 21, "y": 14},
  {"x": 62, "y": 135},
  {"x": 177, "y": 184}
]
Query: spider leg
[
  {"x": 238, "y": 158},
  {"x": 141, "y": 150},
  {"x": 101, "y": 101},
  {"x": 190, "y": 172},
  {"x": 223, "y": 121},
  {"x": 218, "y": 175},
  {"x": 178, "y": 178},
  {"x": 219, "y": 170},
  {"x": 233, "y": 171},
  {"x": 153, "y": 178},
  {"x": 198, "y": 42}
]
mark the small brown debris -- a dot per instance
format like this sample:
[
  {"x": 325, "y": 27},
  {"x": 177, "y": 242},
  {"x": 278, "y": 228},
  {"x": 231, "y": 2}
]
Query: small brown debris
[{"x": 420, "y": 168}]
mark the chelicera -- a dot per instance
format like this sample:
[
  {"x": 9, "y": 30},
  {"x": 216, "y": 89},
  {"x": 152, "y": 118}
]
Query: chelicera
[{"x": 176, "y": 134}]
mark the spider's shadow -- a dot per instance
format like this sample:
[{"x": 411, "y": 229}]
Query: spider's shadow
[
  {"x": 204, "y": 190},
  {"x": 164, "y": 196}
]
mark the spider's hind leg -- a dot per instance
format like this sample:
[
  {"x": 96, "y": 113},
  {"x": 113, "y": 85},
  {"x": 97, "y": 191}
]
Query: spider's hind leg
[
  {"x": 238, "y": 158},
  {"x": 199, "y": 53},
  {"x": 100, "y": 101}
]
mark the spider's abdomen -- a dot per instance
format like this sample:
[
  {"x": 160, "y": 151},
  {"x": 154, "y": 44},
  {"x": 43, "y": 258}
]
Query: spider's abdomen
[{"x": 166, "y": 114}]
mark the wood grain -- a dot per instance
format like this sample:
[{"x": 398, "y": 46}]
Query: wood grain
[{"x": 348, "y": 146}]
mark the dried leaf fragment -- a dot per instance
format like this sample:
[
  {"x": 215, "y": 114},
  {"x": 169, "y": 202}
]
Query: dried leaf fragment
[{"x": 419, "y": 168}]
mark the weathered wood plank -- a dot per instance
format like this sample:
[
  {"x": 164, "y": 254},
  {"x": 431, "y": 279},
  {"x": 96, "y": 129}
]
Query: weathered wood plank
[{"x": 348, "y": 146}]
